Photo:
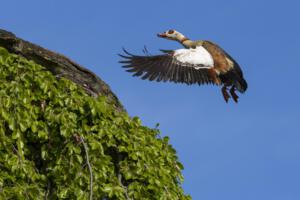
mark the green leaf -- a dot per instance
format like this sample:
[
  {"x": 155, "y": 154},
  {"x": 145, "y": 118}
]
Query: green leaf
[
  {"x": 42, "y": 134},
  {"x": 79, "y": 158}
]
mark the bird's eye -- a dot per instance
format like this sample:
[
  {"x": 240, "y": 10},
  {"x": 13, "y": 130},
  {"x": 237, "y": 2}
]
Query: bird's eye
[{"x": 171, "y": 31}]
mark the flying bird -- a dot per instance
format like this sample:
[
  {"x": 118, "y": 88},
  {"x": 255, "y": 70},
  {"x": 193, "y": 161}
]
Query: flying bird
[{"x": 200, "y": 62}]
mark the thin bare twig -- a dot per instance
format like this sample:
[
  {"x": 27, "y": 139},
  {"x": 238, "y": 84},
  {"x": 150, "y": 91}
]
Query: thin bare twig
[
  {"x": 123, "y": 186},
  {"x": 120, "y": 177},
  {"x": 89, "y": 166},
  {"x": 18, "y": 154},
  {"x": 48, "y": 190}
]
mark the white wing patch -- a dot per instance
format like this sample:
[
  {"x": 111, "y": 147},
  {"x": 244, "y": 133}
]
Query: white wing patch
[{"x": 197, "y": 58}]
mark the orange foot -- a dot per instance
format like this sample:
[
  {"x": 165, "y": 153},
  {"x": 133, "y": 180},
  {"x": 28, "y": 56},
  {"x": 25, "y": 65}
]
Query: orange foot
[
  {"x": 233, "y": 94},
  {"x": 225, "y": 94}
]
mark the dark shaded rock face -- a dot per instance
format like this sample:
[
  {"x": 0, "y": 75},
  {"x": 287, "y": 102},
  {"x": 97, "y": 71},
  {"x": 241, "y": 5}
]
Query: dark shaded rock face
[{"x": 59, "y": 65}]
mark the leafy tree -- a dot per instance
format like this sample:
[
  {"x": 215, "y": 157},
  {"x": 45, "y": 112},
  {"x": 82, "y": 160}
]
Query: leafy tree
[{"x": 57, "y": 142}]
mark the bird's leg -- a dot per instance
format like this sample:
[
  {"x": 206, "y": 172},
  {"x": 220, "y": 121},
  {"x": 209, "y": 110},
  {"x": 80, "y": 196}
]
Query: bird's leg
[
  {"x": 225, "y": 93},
  {"x": 233, "y": 94}
]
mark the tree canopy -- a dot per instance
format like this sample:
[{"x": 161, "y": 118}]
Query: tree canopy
[{"x": 56, "y": 142}]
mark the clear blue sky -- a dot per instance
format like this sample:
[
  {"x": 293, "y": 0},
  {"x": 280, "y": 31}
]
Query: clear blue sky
[{"x": 245, "y": 151}]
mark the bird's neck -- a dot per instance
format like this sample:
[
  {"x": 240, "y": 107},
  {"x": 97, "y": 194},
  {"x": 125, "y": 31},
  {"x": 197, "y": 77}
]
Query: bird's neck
[
  {"x": 191, "y": 43},
  {"x": 181, "y": 38},
  {"x": 186, "y": 42}
]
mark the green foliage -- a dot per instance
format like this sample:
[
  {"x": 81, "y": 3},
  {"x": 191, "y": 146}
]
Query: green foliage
[{"x": 41, "y": 154}]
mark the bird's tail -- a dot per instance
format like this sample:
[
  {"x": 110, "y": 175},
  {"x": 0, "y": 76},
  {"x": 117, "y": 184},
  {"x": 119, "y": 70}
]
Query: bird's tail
[{"x": 241, "y": 85}]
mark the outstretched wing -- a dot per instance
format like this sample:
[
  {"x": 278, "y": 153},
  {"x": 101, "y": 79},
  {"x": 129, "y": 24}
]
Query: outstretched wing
[{"x": 190, "y": 66}]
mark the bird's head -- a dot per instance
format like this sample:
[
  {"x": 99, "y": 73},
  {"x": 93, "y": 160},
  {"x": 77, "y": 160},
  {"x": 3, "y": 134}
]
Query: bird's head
[{"x": 171, "y": 35}]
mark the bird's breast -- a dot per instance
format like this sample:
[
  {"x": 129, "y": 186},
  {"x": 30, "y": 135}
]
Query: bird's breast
[{"x": 197, "y": 56}]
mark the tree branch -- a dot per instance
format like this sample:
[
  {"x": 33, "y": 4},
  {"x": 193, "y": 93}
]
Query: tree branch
[
  {"x": 89, "y": 166},
  {"x": 123, "y": 186},
  {"x": 120, "y": 176}
]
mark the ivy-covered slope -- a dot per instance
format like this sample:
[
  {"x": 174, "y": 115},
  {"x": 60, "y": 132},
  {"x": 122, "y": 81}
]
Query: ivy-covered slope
[{"x": 56, "y": 141}]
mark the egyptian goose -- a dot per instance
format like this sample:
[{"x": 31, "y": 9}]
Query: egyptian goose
[{"x": 201, "y": 62}]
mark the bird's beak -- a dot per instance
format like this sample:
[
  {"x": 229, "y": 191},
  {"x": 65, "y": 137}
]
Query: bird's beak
[{"x": 162, "y": 35}]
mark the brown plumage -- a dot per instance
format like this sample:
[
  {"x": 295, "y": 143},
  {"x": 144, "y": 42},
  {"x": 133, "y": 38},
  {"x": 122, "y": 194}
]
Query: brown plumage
[{"x": 202, "y": 62}]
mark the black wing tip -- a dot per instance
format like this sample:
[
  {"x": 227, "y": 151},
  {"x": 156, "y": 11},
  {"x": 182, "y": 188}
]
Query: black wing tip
[
  {"x": 125, "y": 51},
  {"x": 126, "y": 57},
  {"x": 127, "y": 54},
  {"x": 166, "y": 51}
]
